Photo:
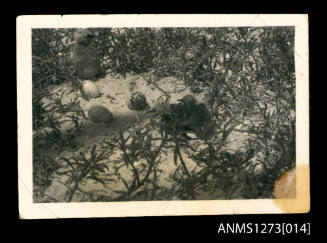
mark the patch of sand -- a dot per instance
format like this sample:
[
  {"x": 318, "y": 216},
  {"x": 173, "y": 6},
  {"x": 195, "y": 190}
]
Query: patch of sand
[{"x": 115, "y": 92}]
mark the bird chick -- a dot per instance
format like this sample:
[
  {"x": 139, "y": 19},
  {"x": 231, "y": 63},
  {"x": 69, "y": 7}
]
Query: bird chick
[
  {"x": 194, "y": 114},
  {"x": 85, "y": 58},
  {"x": 188, "y": 116}
]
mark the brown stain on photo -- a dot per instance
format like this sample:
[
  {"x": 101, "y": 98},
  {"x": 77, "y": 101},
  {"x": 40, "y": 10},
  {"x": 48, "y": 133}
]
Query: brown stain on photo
[{"x": 292, "y": 190}]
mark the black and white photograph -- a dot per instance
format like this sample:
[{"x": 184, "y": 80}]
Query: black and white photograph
[{"x": 156, "y": 113}]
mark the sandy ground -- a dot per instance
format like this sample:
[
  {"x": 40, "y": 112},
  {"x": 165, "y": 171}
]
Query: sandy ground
[{"x": 115, "y": 92}]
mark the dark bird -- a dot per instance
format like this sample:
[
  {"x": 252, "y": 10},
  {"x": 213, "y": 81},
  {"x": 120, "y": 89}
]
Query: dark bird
[
  {"x": 188, "y": 116},
  {"x": 195, "y": 114},
  {"x": 85, "y": 58}
]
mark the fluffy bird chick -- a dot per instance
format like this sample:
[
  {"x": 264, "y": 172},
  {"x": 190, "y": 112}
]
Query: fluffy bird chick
[
  {"x": 188, "y": 116},
  {"x": 85, "y": 58},
  {"x": 195, "y": 114}
]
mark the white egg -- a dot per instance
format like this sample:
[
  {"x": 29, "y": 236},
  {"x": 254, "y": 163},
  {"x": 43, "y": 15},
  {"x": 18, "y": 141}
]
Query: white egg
[{"x": 90, "y": 89}]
